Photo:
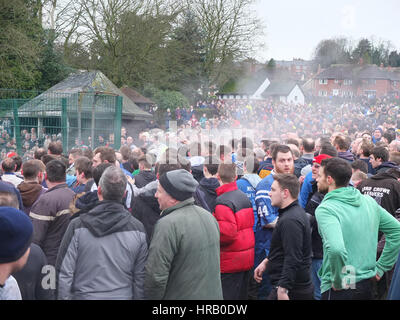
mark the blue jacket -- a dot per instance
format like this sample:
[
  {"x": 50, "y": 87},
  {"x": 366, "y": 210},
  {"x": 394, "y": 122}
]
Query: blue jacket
[
  {"x": 266, "y": 214},
  {"x": 248, "y": 184},
  {"x": 306, "y": 190}
]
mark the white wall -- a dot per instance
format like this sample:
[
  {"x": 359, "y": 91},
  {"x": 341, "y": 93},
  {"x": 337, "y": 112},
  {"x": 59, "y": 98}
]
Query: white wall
[{"x": 296, "y": 92}]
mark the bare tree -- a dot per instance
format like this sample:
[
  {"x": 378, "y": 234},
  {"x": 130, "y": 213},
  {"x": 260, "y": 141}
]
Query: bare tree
[{"x": 230, "y": 33}]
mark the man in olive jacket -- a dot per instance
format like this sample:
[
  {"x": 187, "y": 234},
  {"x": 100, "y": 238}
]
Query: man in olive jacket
[{"x": 183, "y": 261}]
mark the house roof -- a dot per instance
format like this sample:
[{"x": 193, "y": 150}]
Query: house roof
[
  {"x": 249, "y": 85},
  {"x": 373, "y": 72},
  {"x": 337, "y": 72},
  {"x": 77, "y": 84},
  {"x": 395, "y": 76},
  {"x": 295, "y": 62},
  {"x": 135, "y": 96},
  {"x": 279, "y": 88},
  {"x": 342, "y": 72}
]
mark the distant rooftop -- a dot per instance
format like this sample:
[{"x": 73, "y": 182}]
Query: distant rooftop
[
  {"x": 135, "y": 96},
  {"x": 279, "y": 88},
  {"x": 348, "y": 71}
]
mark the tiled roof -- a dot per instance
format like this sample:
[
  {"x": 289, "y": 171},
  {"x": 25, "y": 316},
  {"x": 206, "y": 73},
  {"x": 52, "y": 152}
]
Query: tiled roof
[
  {"x": 135, "y": 96},
  {"x": 279, "y": 88},
  {"x": 342, "y": 72}
]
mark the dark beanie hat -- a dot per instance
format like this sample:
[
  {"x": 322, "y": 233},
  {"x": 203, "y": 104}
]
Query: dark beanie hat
[
  {"x": 179, "y": 184},
  {"x": 16, "y": 232}
]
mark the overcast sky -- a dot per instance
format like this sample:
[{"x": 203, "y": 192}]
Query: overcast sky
[{"x": 293, "y": 28}]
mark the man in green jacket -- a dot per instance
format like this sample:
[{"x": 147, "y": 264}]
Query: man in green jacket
[
  {"x": 349, "y": 223},
  {"x": 183, "y": 261}
]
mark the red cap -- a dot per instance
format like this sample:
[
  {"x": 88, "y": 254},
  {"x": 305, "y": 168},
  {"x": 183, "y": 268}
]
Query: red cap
[
  {"x": 321, "y": 157},
  {"x": 11, "y": 154}
]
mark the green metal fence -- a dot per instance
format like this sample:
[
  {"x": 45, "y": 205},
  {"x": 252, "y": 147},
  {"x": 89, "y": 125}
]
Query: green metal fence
[{"x": 29, "y": 120}]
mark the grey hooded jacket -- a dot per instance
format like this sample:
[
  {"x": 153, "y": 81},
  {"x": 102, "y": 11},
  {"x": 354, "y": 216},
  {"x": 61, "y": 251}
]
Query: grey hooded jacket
[{"x": 102, "y": 256}]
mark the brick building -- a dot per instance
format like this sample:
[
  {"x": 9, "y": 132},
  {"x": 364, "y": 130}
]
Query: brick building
[
  {"x": 300, "y": 70},
  {"x": 355, "y": 81}
]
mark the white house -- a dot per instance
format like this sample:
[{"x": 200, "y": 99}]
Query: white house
[
  {"x": 285, "y": 91},
  {"x": 263, "y": 86}
]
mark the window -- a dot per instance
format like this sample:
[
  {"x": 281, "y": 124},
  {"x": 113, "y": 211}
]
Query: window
[
  {"x": 335, "y": 92},
  {"x": 323, "y": 81},
  {"x": 394, "y": 83},
  {"x": 336, "y": 81},
  {"x": 323, "y": 93},
  {"x": 370, "y": 93},
  {"x": 348, "y": 82}
]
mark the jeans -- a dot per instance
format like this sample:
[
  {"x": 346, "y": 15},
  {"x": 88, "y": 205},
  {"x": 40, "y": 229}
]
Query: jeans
[
  {"x": 362, "y": 291},
  {"x": 315, "y": 266},
  {"x": 265, "y": 286}
]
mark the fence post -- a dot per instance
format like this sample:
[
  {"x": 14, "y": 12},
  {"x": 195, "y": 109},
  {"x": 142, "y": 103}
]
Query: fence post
[
  {"x": 17, "y": 128},
  {"x": 118, "y": 123},
  {"x": 64, "y": 118}
]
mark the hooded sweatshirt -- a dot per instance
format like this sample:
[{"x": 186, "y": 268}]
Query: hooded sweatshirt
[
  {"x": 144, "y": 177},
  {"x": 205, "y": 195},
  {"x": 348, "y": 223},
  {"x": 248, "y": 184},
  {"x": 347, "y": 155},
  {"x": 146, "y": 209},
  {"x": 102, "y": 255},
  {"x": 384, "y": 188},
  {"x": 385, "y": 166},
  {"x": 30, "y": 192}
]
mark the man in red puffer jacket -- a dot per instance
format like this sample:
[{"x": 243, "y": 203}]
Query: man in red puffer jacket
[{"x": 235, "y": 217}]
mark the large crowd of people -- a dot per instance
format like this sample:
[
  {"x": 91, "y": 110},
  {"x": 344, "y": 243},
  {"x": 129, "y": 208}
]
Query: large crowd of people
[{"x": 262, "y": 200}]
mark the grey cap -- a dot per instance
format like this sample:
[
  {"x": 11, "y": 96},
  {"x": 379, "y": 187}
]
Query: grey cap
[{"x": 179, "y": 184}]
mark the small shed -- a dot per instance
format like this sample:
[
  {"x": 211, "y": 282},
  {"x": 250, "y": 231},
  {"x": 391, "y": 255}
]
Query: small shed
[{"x": 83, "y": 105}]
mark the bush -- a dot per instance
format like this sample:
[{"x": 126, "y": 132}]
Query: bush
[
  {"x": 165, "y": 98},
  {"x": 170, "y": 99}
]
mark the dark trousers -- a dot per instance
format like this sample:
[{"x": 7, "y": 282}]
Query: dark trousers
[
  {"x": 294, "y": 294},
  {"x": 265, "y": 287},
  {"x": 362, "y": 291},
  {"x": 253, "y": 287},
  {"x": 235, "y": 285}
]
